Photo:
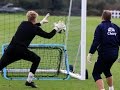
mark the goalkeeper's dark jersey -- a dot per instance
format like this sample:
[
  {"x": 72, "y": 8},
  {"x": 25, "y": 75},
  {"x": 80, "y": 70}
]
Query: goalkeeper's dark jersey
[
  {"x": 106, "y": 38},
  {"x": 27, "y": 31}
]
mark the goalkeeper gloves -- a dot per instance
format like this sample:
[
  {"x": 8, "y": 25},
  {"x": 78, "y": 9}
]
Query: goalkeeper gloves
[
  {"x": 89, "y": 57},
  {"x": 44, "y": 20},
  {"x": 59, "y": 26}
]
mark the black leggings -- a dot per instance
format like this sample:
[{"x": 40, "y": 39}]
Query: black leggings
[
  {"x": 14, "y": 54},
  {"x": 103, "y": 65}
]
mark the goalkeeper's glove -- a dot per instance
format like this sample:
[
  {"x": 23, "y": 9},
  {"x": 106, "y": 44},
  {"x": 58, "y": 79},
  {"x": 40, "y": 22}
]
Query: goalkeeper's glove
[
  {"x": 59, "y": 26},
  {"x": 44, "y": 20},
  {"x": 89, "y": 58}
]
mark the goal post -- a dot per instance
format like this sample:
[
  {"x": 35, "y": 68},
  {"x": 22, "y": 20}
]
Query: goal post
[
  {"x": 81, "y": 52},
  {"x": 83, "y": 39},
  {"x": 68, "y": 46},
  {"x": 52, "y": 67}
]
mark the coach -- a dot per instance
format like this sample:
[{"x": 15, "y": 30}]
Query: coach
[{"x": 106, "y": 42}]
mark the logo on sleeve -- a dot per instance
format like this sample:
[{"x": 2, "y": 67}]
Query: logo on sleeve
[{"x": 111, "y": 31}]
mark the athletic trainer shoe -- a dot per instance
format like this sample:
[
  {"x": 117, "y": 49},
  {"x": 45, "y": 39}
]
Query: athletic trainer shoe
[{"x": 32, "y": 84}]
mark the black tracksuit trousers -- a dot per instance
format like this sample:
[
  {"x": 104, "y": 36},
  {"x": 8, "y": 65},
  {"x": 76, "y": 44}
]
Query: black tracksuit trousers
[{"x": 15, "y": 53}]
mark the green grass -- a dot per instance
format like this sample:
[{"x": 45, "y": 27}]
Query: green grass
[{"x": 8, "y": 27}]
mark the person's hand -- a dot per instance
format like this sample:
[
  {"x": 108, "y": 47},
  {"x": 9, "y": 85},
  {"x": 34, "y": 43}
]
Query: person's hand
[
  {"x": 89, "y": 58},
  {"x": 59, "y": 26},
  {"x": 45, "y": 19}
]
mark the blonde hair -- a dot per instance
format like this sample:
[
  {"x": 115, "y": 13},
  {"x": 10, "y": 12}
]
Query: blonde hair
[{"x": 31, "y": 15}]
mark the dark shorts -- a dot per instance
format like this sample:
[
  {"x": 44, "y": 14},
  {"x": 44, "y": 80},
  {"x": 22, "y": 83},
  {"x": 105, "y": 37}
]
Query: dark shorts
[{"x": 104, "y": 64}]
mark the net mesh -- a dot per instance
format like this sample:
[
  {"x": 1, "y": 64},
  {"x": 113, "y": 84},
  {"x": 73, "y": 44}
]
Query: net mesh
[
  {"x": 51, "y": 58},
  {"x": 74, "y": 36},
  {"x": 52, "y": 62},
  {"x": 10, "y": 22}
]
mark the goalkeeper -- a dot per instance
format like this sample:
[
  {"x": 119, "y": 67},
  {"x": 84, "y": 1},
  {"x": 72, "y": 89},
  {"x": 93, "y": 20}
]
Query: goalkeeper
[
  {"x": 106, "y": 42},
  {"x": 18, "y": 47}
]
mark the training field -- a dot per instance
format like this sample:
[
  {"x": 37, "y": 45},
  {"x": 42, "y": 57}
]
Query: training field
[{"x": 71, "y": 84}]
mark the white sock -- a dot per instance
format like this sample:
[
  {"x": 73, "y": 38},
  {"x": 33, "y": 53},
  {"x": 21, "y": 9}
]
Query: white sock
[
  {"x": 102, "y": 89},
  {"x": 111, "y": 88},
  {"x": 30, "y": 77}
]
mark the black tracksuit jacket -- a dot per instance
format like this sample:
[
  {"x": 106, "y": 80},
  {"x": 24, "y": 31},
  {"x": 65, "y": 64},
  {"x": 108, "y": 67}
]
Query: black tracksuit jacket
[{"x": 26, "y": 32}]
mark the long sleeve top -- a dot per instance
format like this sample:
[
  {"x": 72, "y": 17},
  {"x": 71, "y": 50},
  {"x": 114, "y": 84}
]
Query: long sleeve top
[
  {"x": 27, "y": 31},
  {"x": 106, "y": 38}
]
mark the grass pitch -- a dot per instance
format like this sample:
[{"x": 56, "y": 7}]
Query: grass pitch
[{"x": 72, "y": 84}]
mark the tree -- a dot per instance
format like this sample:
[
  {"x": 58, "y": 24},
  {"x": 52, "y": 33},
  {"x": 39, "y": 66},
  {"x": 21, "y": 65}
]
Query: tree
[{"x": 56, "y": 4}]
